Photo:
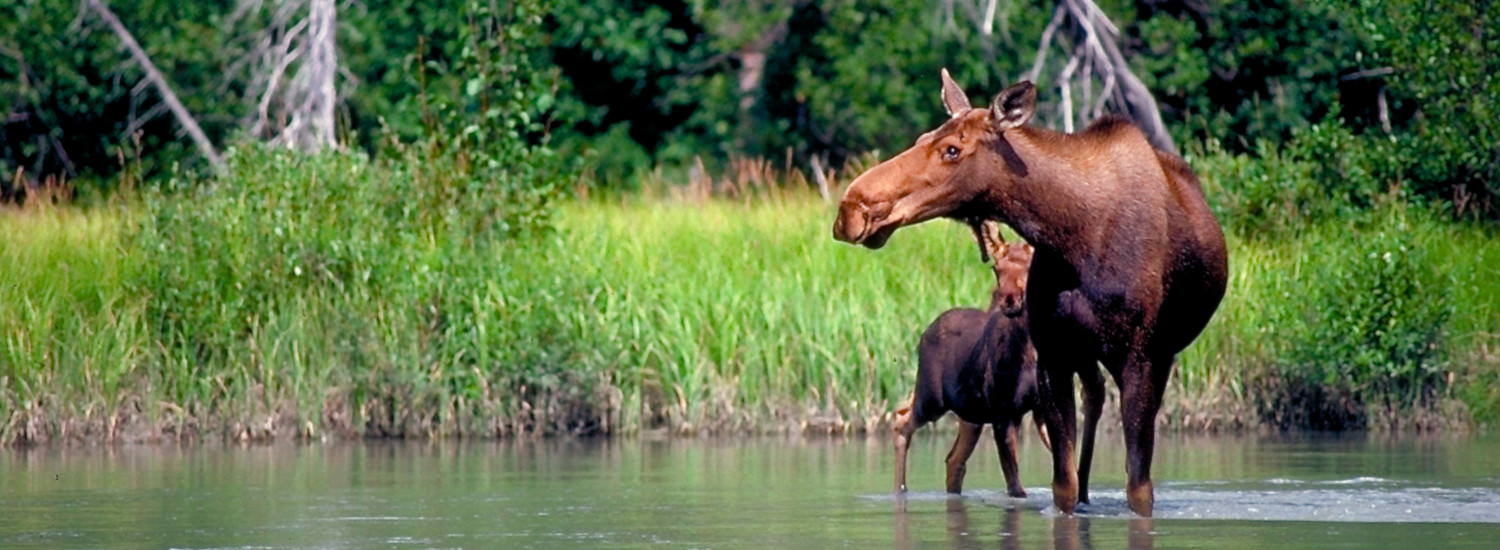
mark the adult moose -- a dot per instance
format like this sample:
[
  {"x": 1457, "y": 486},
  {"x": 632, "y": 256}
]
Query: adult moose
[{"x": 1130, "y": 264}]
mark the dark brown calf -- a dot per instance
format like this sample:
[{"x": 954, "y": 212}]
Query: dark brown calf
[
  {"x": 1130, "y": 263},
  {"x": 980, "y": 365}
]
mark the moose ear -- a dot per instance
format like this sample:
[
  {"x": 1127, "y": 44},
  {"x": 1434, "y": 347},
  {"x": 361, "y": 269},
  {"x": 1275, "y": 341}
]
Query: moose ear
[
  {"x": 1013, "y": 106},
  {"x": 954, "y": 98}
]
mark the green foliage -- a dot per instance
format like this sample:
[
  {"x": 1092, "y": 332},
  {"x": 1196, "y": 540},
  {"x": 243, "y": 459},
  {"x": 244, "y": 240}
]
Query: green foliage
[
  {"x": 1363, "y": 319},
  {"x": 333, "y": 273},
  {"x": 1317, "y": 98},
  {"x": 65, "y": 89},
  {"x": 870, "y": 81},
  {"x": 1240, "y": 72},
  {"x": 1266, "y": 193},
  {"x": 839, "y": 77},
  {"x": 1444, "y": 56},
  {"x": 1324, "y": 172},
  {"x": 482, "y": 111}
]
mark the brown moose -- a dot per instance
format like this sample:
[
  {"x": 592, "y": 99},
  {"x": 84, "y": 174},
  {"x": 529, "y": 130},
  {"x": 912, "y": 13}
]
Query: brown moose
[
  {"x": 980, "y": 365},
  {"x": 1130, "y": 263}
]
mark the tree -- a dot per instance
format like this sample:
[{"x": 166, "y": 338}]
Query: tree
[
  {"x": 293, "y": 67},
  {"x": 1094, "y": 52}
]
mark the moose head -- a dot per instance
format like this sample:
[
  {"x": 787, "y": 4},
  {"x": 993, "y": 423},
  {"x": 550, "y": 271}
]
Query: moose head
[{"x": 939, "y": 175}]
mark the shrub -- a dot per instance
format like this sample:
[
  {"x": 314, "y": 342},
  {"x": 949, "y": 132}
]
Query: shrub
[{"x": 1367, "y": 331}]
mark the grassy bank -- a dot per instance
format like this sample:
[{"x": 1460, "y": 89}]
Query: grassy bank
[{"x": 336, "y": 295}]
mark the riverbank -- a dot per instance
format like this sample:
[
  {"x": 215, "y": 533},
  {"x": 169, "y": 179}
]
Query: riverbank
[{"x": 277, "y": 310}]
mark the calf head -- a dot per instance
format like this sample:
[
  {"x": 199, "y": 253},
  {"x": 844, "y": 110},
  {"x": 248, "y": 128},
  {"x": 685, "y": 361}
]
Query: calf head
[
  {"x": 941, "y": 175},
  {"x": 1012, "y": 264}
]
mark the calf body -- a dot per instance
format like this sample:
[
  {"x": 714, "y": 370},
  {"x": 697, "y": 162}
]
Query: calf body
[{"x": 981, "y": 366}]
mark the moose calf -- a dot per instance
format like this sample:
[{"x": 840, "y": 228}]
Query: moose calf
[{"x": 981, "y": 366}]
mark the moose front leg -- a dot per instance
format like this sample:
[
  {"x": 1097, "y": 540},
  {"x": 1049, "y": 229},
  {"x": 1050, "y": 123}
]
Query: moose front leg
[
  {"x": 905, "y": 425},
  {"x": 1055, "y": 385}
]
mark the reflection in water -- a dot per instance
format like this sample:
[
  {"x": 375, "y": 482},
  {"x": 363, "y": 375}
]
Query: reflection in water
[
  {"x": 738, "y": 493},
  {"x": 1067, "y": 532}
]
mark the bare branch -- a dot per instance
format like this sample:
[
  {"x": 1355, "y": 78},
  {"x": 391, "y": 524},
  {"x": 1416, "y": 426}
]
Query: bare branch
[
  {"x": 988, "y": 26},
  {"x": 272, "y": 82},
  {"x": 181, "y": 113},
  {"x": 1097, "y": 49},
  {"x": 1368, "y": 73},
  {"x": 1385, "y": 114},
  {"x": 820, "y": 175},
  {"x": 1065, "y": 81},
  {"x": 1058, "y": 14},
  {"x": 293, "y": 70}
]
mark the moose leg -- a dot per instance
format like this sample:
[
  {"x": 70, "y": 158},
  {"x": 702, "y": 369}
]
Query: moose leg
[
  {"x": 1092, "y": 381},
  {"x": 1141, "y": 387},
  {"x": 958, "y": 456},
  {"x": 1006, "y": 434},
  {"x": 905, "y": 425},
  {"x": 1055, "y": 386}
]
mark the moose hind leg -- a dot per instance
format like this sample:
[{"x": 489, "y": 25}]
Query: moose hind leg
[
  {"x": 1006, "y": 434},
  {"x": 958, "y": 456},
  {"x": 1142, "y": 384}
]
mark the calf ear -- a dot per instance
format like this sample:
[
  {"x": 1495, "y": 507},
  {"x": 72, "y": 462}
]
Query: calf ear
[
  {"x": 979, "y": 238},
  {"x": 954, "y": 98},
  {"x": 1013, "y": 106},
  {"x": 993, "y": 241}
]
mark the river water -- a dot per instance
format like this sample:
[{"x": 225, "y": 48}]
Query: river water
[{"x": 1352, "y": 491}]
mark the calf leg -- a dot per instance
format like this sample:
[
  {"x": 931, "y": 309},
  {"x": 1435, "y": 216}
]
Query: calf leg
[
  {"x": 1006, "y": 434},
  {"x": 958, "y": 456},
  {"x": 905, "y": 425},
  {"x": 1092, "y": 381}
]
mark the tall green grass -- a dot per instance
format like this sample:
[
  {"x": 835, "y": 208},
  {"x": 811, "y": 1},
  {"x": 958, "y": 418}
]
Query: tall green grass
[
  {"x": 337, "y": 294},
  {"x": 726, "y": 313},
  {"x": 70, "y": 338}
]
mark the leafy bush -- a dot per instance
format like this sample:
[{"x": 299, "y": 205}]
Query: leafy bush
[
  {"x": 1264, "y": 194},
  {"x": 1443, "y": 85},
  {"x": 336, "y": 273},
  {"x": 1325, "y": 172},
  {"x": 378, "y": 265},
  {"x": 1367, "y": 333},
  {"x": 836, "y": 77}
]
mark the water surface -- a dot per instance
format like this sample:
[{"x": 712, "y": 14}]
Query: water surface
[{"x": 1358, "y": 491}]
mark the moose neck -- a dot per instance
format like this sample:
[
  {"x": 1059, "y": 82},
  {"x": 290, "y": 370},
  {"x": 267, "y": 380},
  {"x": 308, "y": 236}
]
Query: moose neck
[{"x": 1035, "y": 194}]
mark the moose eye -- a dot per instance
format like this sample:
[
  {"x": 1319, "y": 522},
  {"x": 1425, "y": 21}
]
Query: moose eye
[{"x": 950, "y": 153}]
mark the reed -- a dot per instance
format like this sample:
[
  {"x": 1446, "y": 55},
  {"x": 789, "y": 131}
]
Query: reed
[{"x": 336, "y": 295}]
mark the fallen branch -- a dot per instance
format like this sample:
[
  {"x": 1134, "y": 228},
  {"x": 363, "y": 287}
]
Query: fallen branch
[{"x": 152, "y": 74}]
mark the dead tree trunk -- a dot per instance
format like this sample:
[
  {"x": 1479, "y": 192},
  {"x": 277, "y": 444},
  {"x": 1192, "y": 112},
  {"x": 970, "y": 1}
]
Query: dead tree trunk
[
  {"x": 1093, "y": 51},
  {"x": 293, "y": 71}
]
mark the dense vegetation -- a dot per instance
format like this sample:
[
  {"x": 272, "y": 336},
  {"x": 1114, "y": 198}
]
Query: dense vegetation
[
  {"x": 432, "y": 277},
  {"x": 286, "y": 308}
]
